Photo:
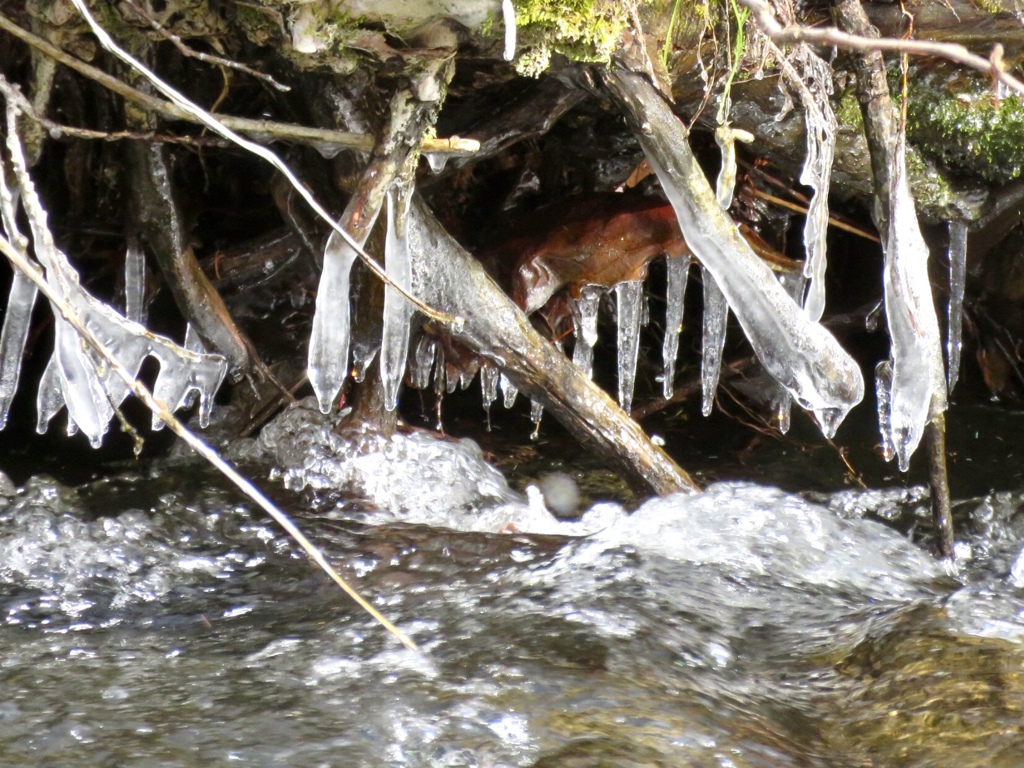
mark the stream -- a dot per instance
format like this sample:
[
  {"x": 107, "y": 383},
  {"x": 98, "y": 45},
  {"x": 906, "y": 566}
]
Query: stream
[{"x": 154, "y": 617}]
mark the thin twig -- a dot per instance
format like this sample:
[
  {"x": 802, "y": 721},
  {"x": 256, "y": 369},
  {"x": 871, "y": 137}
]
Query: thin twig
[
  {"x": 56, "y": 129},
  {"x": 221, "y": 129},
  {"x": 795, "y": 33},
  {"x": 207, "y": 57},
  {"x": 260, "y": 130},
  {"x": 22, "y": 263}
]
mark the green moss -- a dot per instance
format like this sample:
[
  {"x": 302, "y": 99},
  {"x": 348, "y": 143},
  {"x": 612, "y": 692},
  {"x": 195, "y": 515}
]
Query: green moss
[
  {"x": 582, "y": 30},
  {"x": 848, "y": 113},
  {"x": 959, "y": 122}
]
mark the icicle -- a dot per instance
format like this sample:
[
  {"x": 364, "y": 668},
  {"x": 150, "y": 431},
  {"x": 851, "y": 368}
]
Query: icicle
[
  {"x": 800, "y": 354},
  {"x": 918, "y": 381},
  {"x": 628, "y": 297},
  {"x": 49, "y": 398},
  {"x": 584, "y": 318},
  {"x": 508, "y": 390},
  {"x": 422, "y": 361},
  {"x": 781, "y": 402},
  {"x": 883, "y": 394},
  {"x": 821, "y": 130},
  {"x": 726, "y": 138},
  {"x": 74, "y": 377},
  {"x": 508, "y": 17},
  {"x": 716, "y": 316},
  {"x": 957, "y": 283},
  {"x": 678, "y": 268},
  {"x": 489, "y": 385},
  {"x": 329, "y": 339},
  {"x": 134, "y": 281},
  {"x": 363, "y": 353},
  {"x": 536, "y": 415},
  {"x": 192, "y": 341},
  {"x": 20, "y": 301},
  {"x": 397, "y": 311},
  {"x": 437, "y": 161}
]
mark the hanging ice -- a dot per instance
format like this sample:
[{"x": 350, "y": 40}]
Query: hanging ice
[
  {"x": 488, "y": 385},
  {"x": 192, "y": 341},
  {"x": 918, "y": 383},
  {"x": 75, "y": 376},
  {"x": 508, "y": 16},
  {"x": 678, "y": 269},
  {"x": 134, "y": 281},
  {"x": 883, "y": 394},
  {"x": 716, "y": 316},
  {"x": 329, "y": 339},
  {"x": 821, "y": 130},
  {"x": 536, "y": 415},
  {"x": 800, "y": 354},
  {"x": 20, "y": 301},
  {"x": 726, "y": 138},
  {"x": 957, "y": 283},
  {"x": 628, "y": 298},
  {"x": 780, "y": 401},
  {"x": 509, "y": 391},
  {"x": 422, "y": 361},
  {"x": 397, "y": 311},
  {"x": 584, "y": 318}
]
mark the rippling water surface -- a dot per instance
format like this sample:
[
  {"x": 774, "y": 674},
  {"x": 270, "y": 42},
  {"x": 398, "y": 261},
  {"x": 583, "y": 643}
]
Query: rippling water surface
[{"x": 154, "y": 618}]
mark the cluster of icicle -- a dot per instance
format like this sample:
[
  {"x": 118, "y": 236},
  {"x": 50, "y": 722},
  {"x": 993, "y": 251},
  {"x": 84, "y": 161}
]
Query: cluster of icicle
[
  {"x": 779, "y": 314},
  {"x": 74, "y": 376}
]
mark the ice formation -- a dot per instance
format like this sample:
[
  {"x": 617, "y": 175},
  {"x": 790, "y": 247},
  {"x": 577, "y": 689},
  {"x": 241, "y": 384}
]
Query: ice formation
[
  {"x": 20, "y": 301},
  {"x": 397, "y": 311},
  {"x": 821, "y": 129},
  {"x": 629, "y": 297},
  {"x": 75, "y": 376},
  {"x": 716, "y": 316},
  {"x": 781, "y": 402},
  {"x": 678, "y": 269},
  {"x": 489, "y": 385},
  {"x": 330, "y": 336},
  {"x": 957, "y": 283},
  {"x": 584, "y": 318},
  {"x": 509, "y": 391},
  {"x": 918, "y": 389},
  {"x": 422, "y": 361},
  {"x": 508, "y": 16},
  {"x": 800, "y": 354},
  {"x": 883, "y": 394},
  {"x": 134, "y": 281},
  {"x": 726, "y": 138},
  {"x": 536, "y": 415}
]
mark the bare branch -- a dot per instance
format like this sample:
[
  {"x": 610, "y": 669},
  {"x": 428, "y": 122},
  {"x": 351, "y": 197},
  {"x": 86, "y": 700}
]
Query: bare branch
[
  {"x": 207, "y": 57},
  {"x": 260, "y": 130},
  {"x": 794, "y": 33}
]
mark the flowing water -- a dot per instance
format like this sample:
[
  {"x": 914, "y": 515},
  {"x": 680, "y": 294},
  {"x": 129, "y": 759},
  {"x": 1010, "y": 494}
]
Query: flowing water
[{"x": 155, "y": 618}]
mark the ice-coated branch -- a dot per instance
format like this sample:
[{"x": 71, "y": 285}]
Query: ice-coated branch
[
  {"x": 918, "y": 389},
  {"x": 800, "y": 354}
]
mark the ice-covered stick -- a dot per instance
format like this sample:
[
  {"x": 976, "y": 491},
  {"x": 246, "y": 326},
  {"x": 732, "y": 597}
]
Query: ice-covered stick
[
  {"x": 448, "y": 277},
  {"x": 918, "y": 392},
  {"x": 800, "y": 354}
]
